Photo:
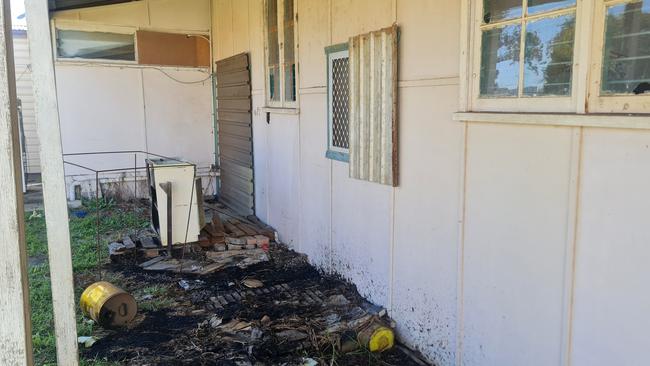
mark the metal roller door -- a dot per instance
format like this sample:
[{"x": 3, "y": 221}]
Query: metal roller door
[{"x": 235, "y": 133}]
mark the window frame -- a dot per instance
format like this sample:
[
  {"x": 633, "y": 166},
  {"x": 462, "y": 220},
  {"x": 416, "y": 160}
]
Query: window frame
[
  {"x": 282, "y": 103},
  {"x": 520, "y": 103},
  {"x": 588, "y": 60},
  {"x": 609, "y": 103},
  {"x": 90, "y": 28},
  {"x": 332, "y": 53}
]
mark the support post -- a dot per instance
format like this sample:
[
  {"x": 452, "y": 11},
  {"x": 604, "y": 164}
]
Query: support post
[
  {"x": 167, "y": 187},
  {"x": 15, "y": 329},
  {"x": 52, "y": 171}
]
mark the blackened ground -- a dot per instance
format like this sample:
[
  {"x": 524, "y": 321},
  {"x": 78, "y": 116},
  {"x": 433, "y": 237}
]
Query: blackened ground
[{"x": 177, "y": 326}]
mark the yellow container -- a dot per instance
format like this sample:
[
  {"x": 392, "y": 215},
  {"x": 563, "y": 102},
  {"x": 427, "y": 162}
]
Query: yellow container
[
  {"x": 376, "y": 337},
  {"x": 108, "y": 305}
]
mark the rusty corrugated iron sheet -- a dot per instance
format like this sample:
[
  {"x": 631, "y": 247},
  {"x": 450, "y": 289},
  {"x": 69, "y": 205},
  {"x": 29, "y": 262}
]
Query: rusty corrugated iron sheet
[{"x": 373, "y": 106}]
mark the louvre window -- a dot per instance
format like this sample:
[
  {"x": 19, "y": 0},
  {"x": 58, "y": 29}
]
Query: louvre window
[{"x": 626, "y": 64}]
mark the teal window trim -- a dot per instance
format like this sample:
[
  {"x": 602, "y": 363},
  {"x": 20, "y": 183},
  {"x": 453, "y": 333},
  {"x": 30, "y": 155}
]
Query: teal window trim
[
  {"x": 333, "y": 153},
  {"x": 337, "y": 155}
]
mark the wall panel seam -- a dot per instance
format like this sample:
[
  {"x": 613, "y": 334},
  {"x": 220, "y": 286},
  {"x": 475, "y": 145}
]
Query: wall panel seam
[
  {"x": 572, "y": 242},
  {"x": 460, "y": 262}
]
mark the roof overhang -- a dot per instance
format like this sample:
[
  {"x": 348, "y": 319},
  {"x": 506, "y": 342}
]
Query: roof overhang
[{"x": 56, "y": 5}]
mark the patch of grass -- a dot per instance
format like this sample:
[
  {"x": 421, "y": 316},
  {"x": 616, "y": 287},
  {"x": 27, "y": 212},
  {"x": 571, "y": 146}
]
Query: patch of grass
[
  {"x": 115, "y": 222},
  {"x": 40, "y": 299},
  {"x": 96, "y": 362},
  {"x": 153, "y": 298},
  {"x": 35, "y": 233}
]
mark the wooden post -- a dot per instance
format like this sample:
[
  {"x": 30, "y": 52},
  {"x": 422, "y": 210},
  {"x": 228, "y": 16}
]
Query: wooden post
[
  {"x": 15, "y": 327},
  {"x": 54, "y": 192}
]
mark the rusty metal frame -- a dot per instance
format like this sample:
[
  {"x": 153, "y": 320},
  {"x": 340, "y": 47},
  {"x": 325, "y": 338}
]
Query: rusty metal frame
[{"x": 135, "y": 168}]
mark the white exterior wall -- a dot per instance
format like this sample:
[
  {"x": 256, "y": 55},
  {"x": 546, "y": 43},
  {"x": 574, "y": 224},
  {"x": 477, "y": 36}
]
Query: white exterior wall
[
  {"x": 26, "y": 96},
  {"x": 398, "y": 245},
  {"x": 109, "y": 106},
  {"x": 502, "y": 245}
]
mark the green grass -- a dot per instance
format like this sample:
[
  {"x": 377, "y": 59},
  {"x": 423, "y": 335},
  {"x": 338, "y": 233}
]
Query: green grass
[
  {"x": 115, "y": 222},
  {"x": 153, "y": 298}
]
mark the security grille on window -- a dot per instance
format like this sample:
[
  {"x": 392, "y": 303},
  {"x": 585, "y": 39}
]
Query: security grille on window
[
  {"x": 280, "y": 53},
  {"x": 338, "y": 92}
]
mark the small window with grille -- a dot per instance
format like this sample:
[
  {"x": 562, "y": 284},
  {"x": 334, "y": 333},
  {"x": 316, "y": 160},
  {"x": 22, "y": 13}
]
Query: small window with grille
[{"x": 337, "y": 101}]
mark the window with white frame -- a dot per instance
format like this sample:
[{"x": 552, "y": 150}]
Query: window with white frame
[
  {"x": 620, "y": 79},
  {"x": 527, "y": 48},
  {"x": 338, "y": 71},
  {"x": 542, "y": 55},
  {"x": 280, "y": 53},
  {"x": 72, "y": 44},
  {"x": 626, "y": 51}
]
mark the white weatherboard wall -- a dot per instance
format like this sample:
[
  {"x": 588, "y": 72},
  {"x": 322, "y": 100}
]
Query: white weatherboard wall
[
  {"x": 107, "y": 106},
  {"x": 26, "y": 95}
]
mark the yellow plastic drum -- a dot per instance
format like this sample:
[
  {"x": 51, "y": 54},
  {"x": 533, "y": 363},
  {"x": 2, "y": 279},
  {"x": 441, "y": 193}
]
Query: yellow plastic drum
[
  {"x": 108, "y": 305},
  {"x": 377, "y": 337}
]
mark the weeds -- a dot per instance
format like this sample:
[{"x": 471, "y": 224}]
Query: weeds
[
  {"x": 153, "y": 298},
  {"x": 115, "y": 222}
]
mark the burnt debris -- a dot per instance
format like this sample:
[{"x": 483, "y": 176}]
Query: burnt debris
[{"x": 279, "y": 311}]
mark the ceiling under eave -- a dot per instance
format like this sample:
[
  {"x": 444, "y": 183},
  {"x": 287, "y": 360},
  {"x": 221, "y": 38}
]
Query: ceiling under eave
[{"x": 56, "y": 5}]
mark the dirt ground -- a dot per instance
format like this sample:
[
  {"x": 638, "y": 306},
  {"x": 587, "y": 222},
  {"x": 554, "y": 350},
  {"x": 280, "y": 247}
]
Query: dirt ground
[{"x": 180, "y": 322}]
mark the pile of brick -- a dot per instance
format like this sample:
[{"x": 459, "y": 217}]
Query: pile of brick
[
  {"x": 235, "y": 234},
  {"x": 146, "y": 245}
]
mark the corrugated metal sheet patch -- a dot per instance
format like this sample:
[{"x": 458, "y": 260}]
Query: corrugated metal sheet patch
[{"x": 373, "y": 106}]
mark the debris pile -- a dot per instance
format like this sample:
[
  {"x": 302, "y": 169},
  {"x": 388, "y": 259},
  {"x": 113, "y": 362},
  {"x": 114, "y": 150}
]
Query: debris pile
[
  {"x": 218, "y": 235},
  {"x": 144, "y": 245},
  {"x": 234, "y": 234},
  {"x": 259, "y": 308}
]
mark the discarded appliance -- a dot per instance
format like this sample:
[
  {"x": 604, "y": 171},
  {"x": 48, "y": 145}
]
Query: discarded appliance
[
  {"x": 176, "y": 200},
  {"x": 108, "y": 305}
]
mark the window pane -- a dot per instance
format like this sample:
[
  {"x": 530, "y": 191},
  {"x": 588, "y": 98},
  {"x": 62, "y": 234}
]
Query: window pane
[
  {"x": 548, "y": 62},
  {"x": 541, "y": 6},
  {"x": 496, "y": 10},
  {"x": 500, "y": 61},
  {"x": 626, "y": 61},
  {"x": 289, "y": 58},
  {"x": 340, "y": 93},
  {"x": 274, "y": 83},
  {"x": 273, "y": 50},
  {"x": 95, "y": 45}
]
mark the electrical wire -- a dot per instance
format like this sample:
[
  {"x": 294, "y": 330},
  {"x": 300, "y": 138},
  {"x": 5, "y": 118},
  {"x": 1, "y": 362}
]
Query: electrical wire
[
  {"x": 126, "y": 66},
  {"x": 181, "y": 81}
]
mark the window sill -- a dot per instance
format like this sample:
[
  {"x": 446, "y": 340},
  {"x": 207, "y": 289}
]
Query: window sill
[
  {"x": 629, "y": 121},
  {"x": 279, "y": 110},
  {"x": 337, "y": 155}
]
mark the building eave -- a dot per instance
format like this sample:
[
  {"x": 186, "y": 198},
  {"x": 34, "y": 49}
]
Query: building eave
[{"x": 58, "y": 5}]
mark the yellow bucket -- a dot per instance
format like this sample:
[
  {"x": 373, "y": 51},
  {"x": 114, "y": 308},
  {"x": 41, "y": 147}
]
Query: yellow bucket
[
  {"x": 377, "y": 337},
  {"x": 108, "y": 305}
]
